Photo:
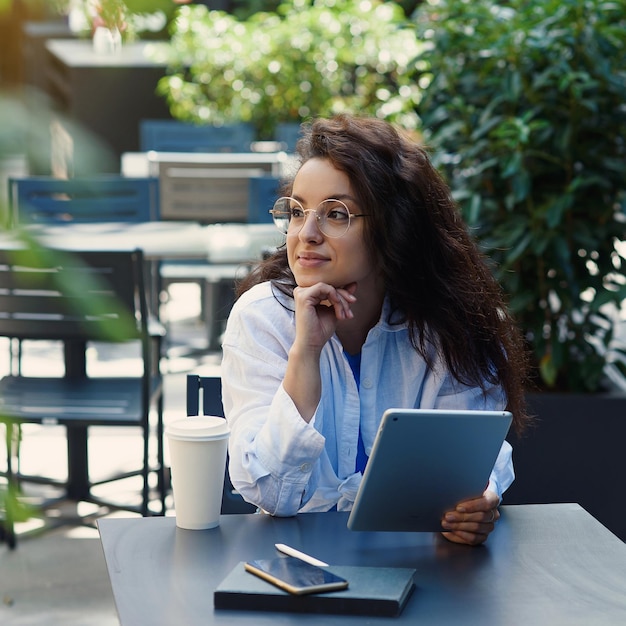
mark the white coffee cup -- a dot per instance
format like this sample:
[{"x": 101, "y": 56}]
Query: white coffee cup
[{"x": 197, "y": 447}]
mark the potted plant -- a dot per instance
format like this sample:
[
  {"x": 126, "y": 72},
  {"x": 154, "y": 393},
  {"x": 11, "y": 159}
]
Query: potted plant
[
  {"x": 309, "y": 58},
  {"x": 523, "y": 104}
]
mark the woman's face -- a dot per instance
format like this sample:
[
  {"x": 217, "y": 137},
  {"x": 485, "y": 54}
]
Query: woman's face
[{"x": 314, "y": 257}]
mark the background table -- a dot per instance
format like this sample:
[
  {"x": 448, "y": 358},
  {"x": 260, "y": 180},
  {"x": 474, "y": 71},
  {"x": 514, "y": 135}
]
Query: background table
[
  {"x": 544, "y": 564},
  {"x": 161, "y": 240},
  {"x": 157, "y": 240}
]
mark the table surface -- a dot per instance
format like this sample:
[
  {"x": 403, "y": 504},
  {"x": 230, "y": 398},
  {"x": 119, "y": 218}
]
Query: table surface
[
  {"x": 544, "y": 564},
  {"x": 159, "y": 240}
]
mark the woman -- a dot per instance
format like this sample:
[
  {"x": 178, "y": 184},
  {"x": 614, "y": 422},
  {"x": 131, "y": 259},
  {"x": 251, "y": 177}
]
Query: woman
[{"x": 379, "y": 299}]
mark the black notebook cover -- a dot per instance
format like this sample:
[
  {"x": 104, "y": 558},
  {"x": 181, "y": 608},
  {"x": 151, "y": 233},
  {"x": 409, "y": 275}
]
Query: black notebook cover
[{"x": 375, "y": 591}]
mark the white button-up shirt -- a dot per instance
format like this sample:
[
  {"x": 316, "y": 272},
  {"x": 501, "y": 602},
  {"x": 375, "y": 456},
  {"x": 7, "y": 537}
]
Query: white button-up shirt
[{"x": 285, "y": 465}]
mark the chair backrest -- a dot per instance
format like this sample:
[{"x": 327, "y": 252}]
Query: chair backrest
[
  {"x": 287, "y": 135},
  {"x": 177, "y": 136},
  {"x": 263, "y": 192},
  {"x": 114, "y": 198},
  {"x": 210, "y": 389},
  {"x": 81, "y": 296},
  {"x": 210, "y": 188}
]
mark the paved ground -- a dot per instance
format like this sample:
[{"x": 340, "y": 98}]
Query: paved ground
[{"x": 58, "y": 576}]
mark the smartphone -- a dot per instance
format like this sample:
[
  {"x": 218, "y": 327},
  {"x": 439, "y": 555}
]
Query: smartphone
[{"x": 296, "y": 576}]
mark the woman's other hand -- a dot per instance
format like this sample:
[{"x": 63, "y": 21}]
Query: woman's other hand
[{"x": 472, "y": 521}]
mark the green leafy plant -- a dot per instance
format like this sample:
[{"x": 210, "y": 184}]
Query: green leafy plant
[
  {"x": 524, "y": 105},
  {"x": 310, "y": 58}
]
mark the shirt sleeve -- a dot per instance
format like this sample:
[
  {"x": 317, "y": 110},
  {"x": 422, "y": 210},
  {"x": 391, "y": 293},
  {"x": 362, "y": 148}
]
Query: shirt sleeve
[
  {"x": 502, "y": 475},
  {"x": 272, "y": 450}
]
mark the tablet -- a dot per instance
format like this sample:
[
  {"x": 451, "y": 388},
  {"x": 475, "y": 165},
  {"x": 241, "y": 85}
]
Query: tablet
[{"x": 423, "y": 463}]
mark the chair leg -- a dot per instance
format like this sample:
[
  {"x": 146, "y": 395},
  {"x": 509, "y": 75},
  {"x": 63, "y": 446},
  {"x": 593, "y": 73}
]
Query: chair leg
[
  {"x": 7, "y": 528},
  {"x": 13, "y": 440},
  {"x": 78, "y": 485},
  {"x": 15, "y": 357},
  {"x": 160, "y": 456},
  {"x": 7, "y": 534},
  {"x": 145, "y": 472}
]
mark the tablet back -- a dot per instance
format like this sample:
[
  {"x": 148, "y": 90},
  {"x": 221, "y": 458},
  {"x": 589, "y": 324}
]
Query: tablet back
[{"x": 423, "y": 463}]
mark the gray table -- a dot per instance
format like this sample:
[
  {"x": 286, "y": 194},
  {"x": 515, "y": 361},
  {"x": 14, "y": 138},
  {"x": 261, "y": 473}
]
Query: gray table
[
  {"x": 158, "y": 240},
  {"x": 544, "y": 564},
  {"x": 161, "y": 240}
]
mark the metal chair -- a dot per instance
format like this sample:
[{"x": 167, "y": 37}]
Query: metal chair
[
  {"x": 110, "y": 198},
  {"x": 79, "y": 299},
  {"x": 48, "y": 201},
  {"x": 177, "y": 136},
  {"x": 263, "y": 192},
  {"x": 210, "y": 388},
  {"x": 287, "y": 135},
  {"x": 216, "y": 190}
]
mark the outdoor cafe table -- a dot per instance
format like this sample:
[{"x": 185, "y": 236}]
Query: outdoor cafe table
[
  {"x": 544, "y": 564},
  {"x": 158, "y": 240},
  {"x": 225, "y": 246}
]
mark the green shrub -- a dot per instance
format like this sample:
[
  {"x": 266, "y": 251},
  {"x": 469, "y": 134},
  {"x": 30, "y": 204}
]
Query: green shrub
[
  {"x": 525, "y": 106},
  {"x": 310, "y": 58}
]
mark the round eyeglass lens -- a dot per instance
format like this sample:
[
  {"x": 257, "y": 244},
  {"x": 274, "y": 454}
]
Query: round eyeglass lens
[{"x": 281, "y": 214}]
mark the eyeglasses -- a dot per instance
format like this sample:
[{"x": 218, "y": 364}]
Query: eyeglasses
[{"x": 333, "y": 216}]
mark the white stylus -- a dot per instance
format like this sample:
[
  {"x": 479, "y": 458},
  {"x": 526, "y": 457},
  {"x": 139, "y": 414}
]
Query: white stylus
[{"x": 288, "y": 550}]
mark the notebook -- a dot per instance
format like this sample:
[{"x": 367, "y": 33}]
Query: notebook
[
  {"x": 423, "y": 462},
  {"x": 372, "y": 591}
]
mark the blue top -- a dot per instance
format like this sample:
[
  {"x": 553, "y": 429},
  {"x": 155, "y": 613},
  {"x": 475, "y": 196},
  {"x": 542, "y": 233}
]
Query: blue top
[{"x": 355, "y": 365}]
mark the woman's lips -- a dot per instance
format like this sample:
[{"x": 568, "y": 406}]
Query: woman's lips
[{"x": 311, "y": 260}]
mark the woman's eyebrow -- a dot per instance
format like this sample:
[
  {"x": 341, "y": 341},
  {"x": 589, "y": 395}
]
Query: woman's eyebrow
[{"x": 338, "y": 196}]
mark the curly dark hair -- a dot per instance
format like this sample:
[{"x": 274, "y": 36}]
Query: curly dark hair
[{"x": 433, "y": 269}]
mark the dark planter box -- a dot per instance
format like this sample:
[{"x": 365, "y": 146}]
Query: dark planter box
[{"x": 574, "y": 453}]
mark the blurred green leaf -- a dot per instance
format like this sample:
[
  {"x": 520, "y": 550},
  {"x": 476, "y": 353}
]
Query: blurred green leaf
[
  {"x": 13, "y": 507},
  {"x": 548, "y": 370}
]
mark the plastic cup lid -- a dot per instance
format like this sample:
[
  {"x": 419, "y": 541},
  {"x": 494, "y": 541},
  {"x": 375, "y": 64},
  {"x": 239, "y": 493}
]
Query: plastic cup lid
[{"x": 198, "y": 428}]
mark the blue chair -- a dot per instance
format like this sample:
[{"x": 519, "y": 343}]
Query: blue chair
[
  {"x": 176, "y": 136},
  {"x": 287, "y": 134},
  {"x": 111, "y": 198},
  {"x": 263, "y": 192},
  {"x": 43, "y": 200},
  {"x": 250, "y": 198},
  {"x": 210, "y": 388}
]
